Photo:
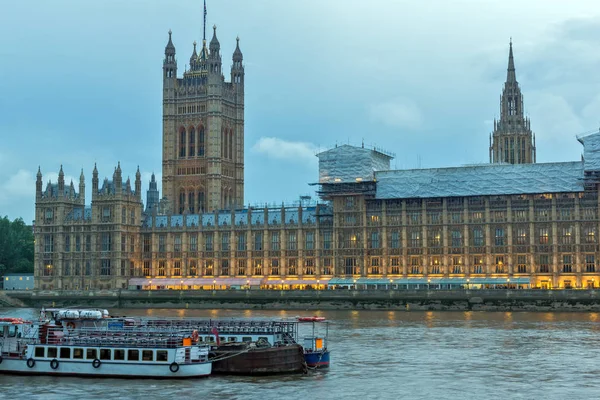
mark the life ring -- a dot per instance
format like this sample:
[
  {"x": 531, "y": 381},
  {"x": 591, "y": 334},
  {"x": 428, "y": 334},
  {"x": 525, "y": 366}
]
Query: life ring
[
  {"x": 195, "y": 335},
  {"x": 54, "y": 364},
  {"x": 30, "y": 362},
  {"x": 70, "y": 325},
  {"x": 174, "y": 367},
  {"x": 96, "y": 363}
]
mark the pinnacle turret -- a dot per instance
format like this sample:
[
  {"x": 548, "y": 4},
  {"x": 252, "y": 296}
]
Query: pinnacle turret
[
  {"x": 215, "y": 46},
  {"x": 237, "y": 54}
]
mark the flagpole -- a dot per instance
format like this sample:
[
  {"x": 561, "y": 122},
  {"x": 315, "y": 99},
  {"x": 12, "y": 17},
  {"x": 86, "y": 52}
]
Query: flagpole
[{"x": 204, "y": 35}]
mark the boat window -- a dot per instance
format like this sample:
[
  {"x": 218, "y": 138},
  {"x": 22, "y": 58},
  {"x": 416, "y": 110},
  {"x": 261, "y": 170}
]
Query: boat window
[
  {"x": 261, "y": 338},
  {"x": 78, "y": 354},
  {"x": 147, "y": 355},
  {"x": 199, "y": 338},
  {"x": 52, "y": 352},
  {"x": 91, "y": 354},
  {"x": 209, "y": 339},
  {"x": 133, "y": 355},
  {"x": 39, "y": 352},
  {"x": 232, "y": 339},
  {"x": 65, "y": 352},
  {"x": 12, "y": 331},
  {"x": 119, "y": 354},
  {"x": 162, "y": 355},
  {"x": 105, "y": 354},
  {"x": 246, "y": 339}
]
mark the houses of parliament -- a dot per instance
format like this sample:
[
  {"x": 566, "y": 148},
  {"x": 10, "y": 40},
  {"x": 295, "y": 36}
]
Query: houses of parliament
[{"x": 510, "y": 223}]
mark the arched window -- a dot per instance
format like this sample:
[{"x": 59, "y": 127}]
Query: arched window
[
  {"x": 231, "y": 144},
  {"x": 192, "y": 142},
  {"x": 182, "y": 143},
  {"x": 181, "y": 201},
  {"x": 192, "y": 202},
  {"x": 201, "y": 201},
  {"x": 201, "y": 141}
]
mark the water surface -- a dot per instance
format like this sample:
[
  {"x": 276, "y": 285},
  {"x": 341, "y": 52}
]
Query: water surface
[{"x": 386, "y": 355}]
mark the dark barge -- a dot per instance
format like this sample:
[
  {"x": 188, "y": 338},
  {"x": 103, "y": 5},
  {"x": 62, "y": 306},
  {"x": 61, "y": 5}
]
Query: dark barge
[{"x": 254, "y": 359}]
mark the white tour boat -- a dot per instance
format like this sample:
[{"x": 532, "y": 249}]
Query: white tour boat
[{"x": 49, "y": 348}]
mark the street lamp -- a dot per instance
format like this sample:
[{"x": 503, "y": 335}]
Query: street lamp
[
  {"x": 282, "y": 282},
  {"x": 214, "y": 284},
  {"x": 181, "y": 285},
  {"x": 428, "y": 283},
  {"x": 318, "y": 284},
  {"x": 248, "y": 284},
  {"x": 150, "y": 282},
  {"x": 507, "y": 283},
  {"x": 355, "y": 284},
  {"x": 468, "y": 280}
]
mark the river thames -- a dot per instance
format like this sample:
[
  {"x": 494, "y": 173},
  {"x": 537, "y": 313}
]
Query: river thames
[{"x": 386, "y": 355}]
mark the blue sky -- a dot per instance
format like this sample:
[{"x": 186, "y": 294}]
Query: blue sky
[{"x": 80, "y": 82}]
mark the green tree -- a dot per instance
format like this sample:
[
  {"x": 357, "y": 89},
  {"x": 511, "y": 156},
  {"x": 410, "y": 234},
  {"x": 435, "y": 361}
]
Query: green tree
[{"x": 16, "y": 246}]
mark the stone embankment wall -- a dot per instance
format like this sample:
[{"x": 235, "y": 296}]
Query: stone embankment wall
[{"x": 408, "y": 300}]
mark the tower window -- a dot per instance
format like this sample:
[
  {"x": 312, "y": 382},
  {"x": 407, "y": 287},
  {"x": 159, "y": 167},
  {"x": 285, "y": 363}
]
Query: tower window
[
  {"x": 201, "y": 141},
  {"x": 192, "y": 142},
  {"x": 182, "y": 143}
]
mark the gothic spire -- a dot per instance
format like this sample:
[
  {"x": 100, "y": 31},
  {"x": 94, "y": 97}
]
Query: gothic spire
[{"x": 511, "y": 75}]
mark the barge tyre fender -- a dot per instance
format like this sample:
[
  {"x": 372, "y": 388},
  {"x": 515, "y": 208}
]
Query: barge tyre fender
[
  {"x": 174, "y": 367},
  {"x": 30, "y": 362},
  {"x": 54, "y": 364},
  {"x": 96, "y": 363}
]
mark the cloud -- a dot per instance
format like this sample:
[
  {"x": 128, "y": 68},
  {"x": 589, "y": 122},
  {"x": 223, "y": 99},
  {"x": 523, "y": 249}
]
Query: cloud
[
  {"x": 399, "y": 113},
  {"x": 21, "y": 184},
  {"x": 281, "y": 149}
]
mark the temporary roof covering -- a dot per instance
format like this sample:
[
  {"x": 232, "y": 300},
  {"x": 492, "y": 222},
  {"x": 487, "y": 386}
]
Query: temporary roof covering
[
  {"x": 351, "y": 164},
  {"x": 591, "y": 151},
  {"x": 194, "y": 281},
  {"x": 481, "y": 180}
]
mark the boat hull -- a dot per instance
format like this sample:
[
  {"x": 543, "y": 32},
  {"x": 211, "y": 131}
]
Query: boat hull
[
  {"x": 110, "y": 369},
  {"x": 317, "y": 359},
  {"x": 260, "y": 361}
]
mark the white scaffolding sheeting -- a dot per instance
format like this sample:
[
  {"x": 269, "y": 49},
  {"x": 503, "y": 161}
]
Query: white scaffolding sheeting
[
  {"x": 481, "y": 180},
  {"x": 344, "y": 164},
  {"x": 591, "y": 151}
]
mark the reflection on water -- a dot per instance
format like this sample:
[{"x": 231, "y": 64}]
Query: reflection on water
[{"x": 388, "y": 355}]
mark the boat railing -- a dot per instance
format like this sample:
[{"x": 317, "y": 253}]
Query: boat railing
[
  {"x": 93, "y": 337},
  {"x": 224, "y": 327}
]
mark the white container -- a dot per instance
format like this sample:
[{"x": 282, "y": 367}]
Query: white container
[{"x": 90, "y": 314}]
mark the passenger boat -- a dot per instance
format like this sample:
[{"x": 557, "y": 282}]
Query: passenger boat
[
  {"x": 48, "y": 348},
  {"x": 316, "y": 354}
]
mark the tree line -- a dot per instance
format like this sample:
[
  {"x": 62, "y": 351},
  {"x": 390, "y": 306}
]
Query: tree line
[{"x": 16, "y": 246}]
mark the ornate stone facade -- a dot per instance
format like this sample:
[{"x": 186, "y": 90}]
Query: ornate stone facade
[
  {"x": 203, "y": 131},
  {"x": 498, "y": 223}
]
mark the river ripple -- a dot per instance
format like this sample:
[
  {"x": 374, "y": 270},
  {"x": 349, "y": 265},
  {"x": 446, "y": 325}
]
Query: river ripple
[{"x": 387, "y": 355}]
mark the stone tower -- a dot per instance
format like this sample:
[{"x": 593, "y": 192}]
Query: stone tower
[
  {"x": 512, "y": 140},
  {"x": 203, "y": 131}
]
